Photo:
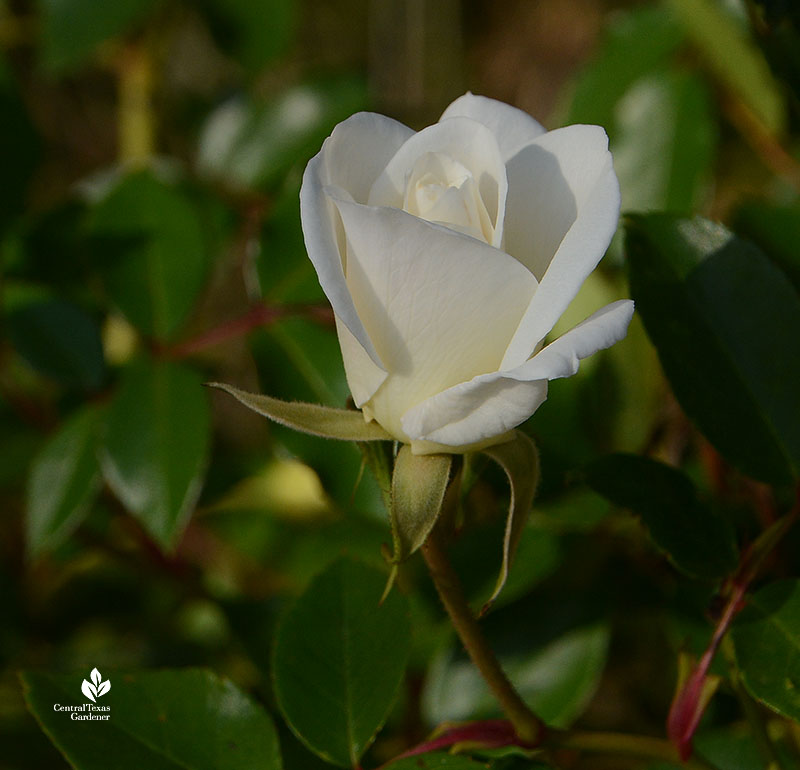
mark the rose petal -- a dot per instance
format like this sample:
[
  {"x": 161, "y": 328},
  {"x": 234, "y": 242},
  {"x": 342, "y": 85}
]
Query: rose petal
[
  {"x": 464, "y": 140},
  {"x": 352, "y": 157},
  {"x": 364, "y": 377},
  {"x": 494, "y": 403},
  {"x": 513, "y": 128},
  {"x": 561, "y": 214},
  {"x": 438, "y": 305}
]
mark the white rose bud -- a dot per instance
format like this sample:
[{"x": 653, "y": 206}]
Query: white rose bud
[{"x": 448, "y": 254}]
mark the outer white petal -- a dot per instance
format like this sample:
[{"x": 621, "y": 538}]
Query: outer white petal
[
  {"x": 513, "y": 128},
  {"x": 440, "y": 306},
  {"x": 561, "y": 214},
  {"x": 352, "y": 157},
  {"x": 467, "y": 141},
  {"x": 472, "y": 412},
  {"x": 492, "y": 404},
  {"x": 364, "y": 376}
]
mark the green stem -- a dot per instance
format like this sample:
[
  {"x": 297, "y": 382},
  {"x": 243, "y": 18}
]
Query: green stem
[
  {"x": 529, "y": 728},
  {"x": 622, "y": 744}
]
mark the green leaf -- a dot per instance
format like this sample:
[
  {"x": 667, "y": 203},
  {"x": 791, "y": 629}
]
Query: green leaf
[
  {"x": 734, "y": 59},
  {"x": 250, "y": 143},
  {"x": 776, "y": 229},
  {"x": 148, "y": 243},
  {"x": 318, "y": 420},
  {"x": 556, "y": 681},
  {"x": 436, "y": 761},
  {"x": 59, "y": 340},
  {"x": 17, "y": 132},
  {"x": 664, "y": 163},
  {"x": 156, "y": 445},
  {"x": 72, "y": 29},
  {"x": 519, "y": 459},
  {"x": 339, "y": 659},
  {"x": 64, "y": 479},
  {"x": 726, "y": 324},
  {"x": 697, "y": 540},
  {"x": 185, "y": 719},
  {"x": 766, "y": 637},
  {"x": 638, "y": 42},
  {"x": 253, "y": 32},
  {"x": 418, "y": 486}
]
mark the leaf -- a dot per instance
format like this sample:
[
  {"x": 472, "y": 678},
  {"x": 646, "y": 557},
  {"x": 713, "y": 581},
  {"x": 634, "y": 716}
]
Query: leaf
[
  {"x": 436, "y": 761},
  {"x": 72, "y": 29},
  {"x": 418, "y": 486},
  {"x": 776, "y": 229},
  {"x": 766, "y": 636},
  {"x": 556, "y": 681},
  {"x": 17, "y": 132},
  {"x": 251, "y": 143},
  {"x": 156, "y": 444},
  {"x": 638, "y": 42},
  {"x": 697, "y": 540},
  {"x": 339, "y": 659},
  {"x": 148, "y": 245},
  {"x": 726, "y": 324},
  {"x": 318, "y": 420},
  {"x": 254, "y": 32},
  {"x": 519, "y": 459},
  {"x": 734, "y": 59},
  {"x": 664, "y": 163},
  {"x": 60, "y": 341},
  {"x": 88, "y": 689},
  {"x": 64, "y": 479},
  {"x": 159, "y": 720}
]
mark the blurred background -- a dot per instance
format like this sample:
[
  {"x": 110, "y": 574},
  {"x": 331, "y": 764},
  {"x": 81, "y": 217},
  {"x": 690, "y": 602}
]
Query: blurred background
[{"x": 151, "y": 153}]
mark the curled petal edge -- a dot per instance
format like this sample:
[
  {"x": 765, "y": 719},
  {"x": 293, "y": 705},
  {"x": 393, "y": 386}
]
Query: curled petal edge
[{"x": 493, "y": 404}]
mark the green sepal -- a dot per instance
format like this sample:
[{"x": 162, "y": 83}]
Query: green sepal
[
  {"x": 318, "y": 420},
  {"x": 419, "y": 483},
  {"x": 519, "y": 459}
]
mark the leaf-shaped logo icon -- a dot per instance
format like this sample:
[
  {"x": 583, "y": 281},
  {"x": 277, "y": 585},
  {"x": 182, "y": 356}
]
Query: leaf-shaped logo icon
[
  {"x": 88, "y": 689},
  {"x": 97, "y": 687}
]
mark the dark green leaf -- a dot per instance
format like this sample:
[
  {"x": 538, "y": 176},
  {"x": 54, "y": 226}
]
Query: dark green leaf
[
  {"x": 148, "y": 242},
  {"x": 339, "y": 660},
  {"x": 249, "y": 143},
  {"x": 156, "y": 445},
  {"x": 59, "y": 340},
  {"x": 556, "y": 681},
  {"x": 163, "y": 720},
  {"x": 17, "y": 132},
  {"x": 697, "y": 540},
  {"x": 726, "y": 324},
  {"x": 436, "y": 761},
  {"x": 663, "y": 162},
  {"x": 64, "y": 478},
  {"x": 767, "y": 640},
  {"x": 776, "y": 229},
  {"x": 637, "y": 43},
  {"x": 254, "y": 32},
  {"x": 72, "y": 29}
]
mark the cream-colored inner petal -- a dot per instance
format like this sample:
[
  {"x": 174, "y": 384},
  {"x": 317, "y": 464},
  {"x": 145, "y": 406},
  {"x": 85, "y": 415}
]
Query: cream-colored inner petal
[{"x": 442, "y": 190}]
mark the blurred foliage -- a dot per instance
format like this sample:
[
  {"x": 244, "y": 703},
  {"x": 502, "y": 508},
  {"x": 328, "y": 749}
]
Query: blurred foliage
[{"x": 150, "y": 241}]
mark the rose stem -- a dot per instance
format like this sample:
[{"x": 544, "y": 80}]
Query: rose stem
[{"x": 529, "y": 728}]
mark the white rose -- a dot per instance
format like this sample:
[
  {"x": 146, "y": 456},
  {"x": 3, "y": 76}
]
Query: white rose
[{"x": 448, "y": 255}]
